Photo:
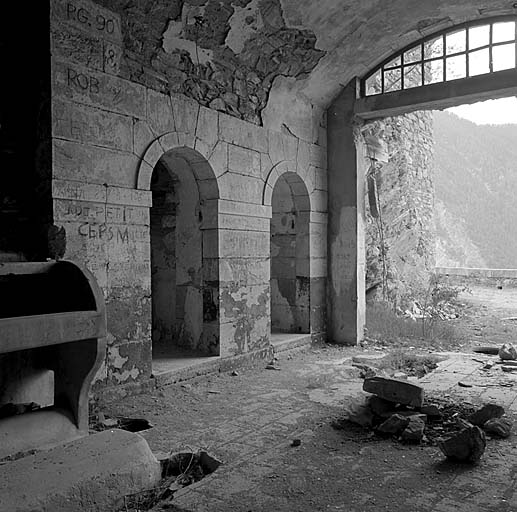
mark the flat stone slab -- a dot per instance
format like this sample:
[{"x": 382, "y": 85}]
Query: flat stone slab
[
  {"x": 396, "y": 391},
  {"x": 92, "y": 474}
]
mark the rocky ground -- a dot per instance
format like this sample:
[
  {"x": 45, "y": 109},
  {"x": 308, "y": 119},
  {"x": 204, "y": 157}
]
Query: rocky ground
[{"x": 279, "y": 432}]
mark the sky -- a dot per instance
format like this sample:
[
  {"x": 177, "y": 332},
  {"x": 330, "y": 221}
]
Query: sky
[{"x": 500, "y": 111}]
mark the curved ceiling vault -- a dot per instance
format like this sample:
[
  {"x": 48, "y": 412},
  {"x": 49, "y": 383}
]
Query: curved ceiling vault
[{"x": 356, "y": 35}]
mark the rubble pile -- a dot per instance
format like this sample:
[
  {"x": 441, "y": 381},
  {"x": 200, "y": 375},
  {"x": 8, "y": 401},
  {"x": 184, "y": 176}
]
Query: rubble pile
[
  {"x": 399, "y": 410},
  {"x": 443, "y": 310}
]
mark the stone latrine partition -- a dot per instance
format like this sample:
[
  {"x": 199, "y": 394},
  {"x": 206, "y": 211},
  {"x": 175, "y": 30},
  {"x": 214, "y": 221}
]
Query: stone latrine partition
[
  {"x": 290, "y": 263},
  {"x": 109, "y": 136}
]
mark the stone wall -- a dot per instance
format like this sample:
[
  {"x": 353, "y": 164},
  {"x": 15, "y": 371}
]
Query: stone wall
[
  {"x": 225, "y": 54},
  {"x": 110, "y": 133},
  {"x": 405, "y": 194},
  {"x": 488, "y": 277}
]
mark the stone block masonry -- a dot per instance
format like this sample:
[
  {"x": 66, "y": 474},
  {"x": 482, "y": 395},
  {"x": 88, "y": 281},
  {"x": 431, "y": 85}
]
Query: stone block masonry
[
  {"x": 110, "y": 131},
  {"x": 222, "y": 54}
]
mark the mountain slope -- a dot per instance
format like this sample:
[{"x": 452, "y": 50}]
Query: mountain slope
[{"x": 476, "y": 192}]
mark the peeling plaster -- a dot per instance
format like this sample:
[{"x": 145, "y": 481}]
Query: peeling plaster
[
  {"x": 245, "y": 316},
  {"x": 245, "y": 22},
  {"x": 173, "y": 39}
]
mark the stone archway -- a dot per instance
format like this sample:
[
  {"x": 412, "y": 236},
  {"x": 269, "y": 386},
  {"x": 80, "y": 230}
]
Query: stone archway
[{"x": 184, "y": 255}]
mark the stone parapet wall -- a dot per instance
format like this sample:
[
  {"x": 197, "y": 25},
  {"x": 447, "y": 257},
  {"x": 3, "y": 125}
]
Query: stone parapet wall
[
  {"x": 505, "y": 277},
  {"x": 108, "y": 134}
]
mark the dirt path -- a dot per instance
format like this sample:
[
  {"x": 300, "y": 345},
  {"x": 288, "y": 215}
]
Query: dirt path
[{"x": 486, "y": 319}]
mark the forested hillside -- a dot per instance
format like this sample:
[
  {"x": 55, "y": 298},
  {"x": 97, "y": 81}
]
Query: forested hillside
[{"x": 476, "y": 193}]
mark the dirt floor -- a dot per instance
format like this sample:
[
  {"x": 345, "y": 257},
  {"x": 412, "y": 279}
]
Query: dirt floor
[{"x": 249, "y": 420}]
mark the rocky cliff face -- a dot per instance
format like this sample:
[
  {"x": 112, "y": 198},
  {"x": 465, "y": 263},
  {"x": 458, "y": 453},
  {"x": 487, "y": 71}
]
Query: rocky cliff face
[{"x": 404, "y": 229}]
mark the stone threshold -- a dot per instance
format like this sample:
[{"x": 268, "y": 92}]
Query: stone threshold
[{"x": 282, "y": 343}]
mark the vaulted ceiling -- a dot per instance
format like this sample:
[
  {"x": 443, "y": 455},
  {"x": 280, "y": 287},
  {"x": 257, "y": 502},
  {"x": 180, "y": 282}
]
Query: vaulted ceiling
[{"x": 355, "y": 36}]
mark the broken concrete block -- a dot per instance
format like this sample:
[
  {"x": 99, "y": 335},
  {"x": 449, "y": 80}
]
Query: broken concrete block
[
  {"x": 500, "y": 427},
  {"x": 394, "y": 390},
  {"x": 366, "y": 371},
  {"x": 507, "y": 351},
  {"x": 359, "y": 412},
  {"x": 487, "y": 412},
  {"x": 432, "y": 411},
  {"x": 400, "y": 375},
  {"x": 414, "y": 431},
  {"x": 92, "y": 473},
  {"x": 368, "y": 359},
  {"x": 468, "y": 445},
  {"x": 394, "y": 424},
  {"x": 380, "y": 406}
]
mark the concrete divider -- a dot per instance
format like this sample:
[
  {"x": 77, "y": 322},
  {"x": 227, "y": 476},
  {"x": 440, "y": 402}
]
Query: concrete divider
[{"x": 92, "y": 474}]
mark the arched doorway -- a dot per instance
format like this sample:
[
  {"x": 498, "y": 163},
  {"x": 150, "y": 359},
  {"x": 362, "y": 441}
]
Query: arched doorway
[
  {"x": 183, "y": 276},
  {"x": 290, "y": 251}
]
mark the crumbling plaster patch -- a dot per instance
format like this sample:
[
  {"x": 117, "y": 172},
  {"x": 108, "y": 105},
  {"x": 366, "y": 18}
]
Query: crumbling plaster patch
[
  {"x": 246, "y": 309},
  {"x": 244, "y": 23},
  {"x": 225, "y": 54},
  {"x": 173, "y": 40}
]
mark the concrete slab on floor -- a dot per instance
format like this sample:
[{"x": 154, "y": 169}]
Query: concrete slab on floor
[{"x": 92, "y": 474}]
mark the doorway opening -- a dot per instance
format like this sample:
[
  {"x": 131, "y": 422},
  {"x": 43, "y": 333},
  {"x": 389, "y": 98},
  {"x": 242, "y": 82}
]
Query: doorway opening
[
  {"x": 460, "y": 66},
  {"x": 184, "y": 309},
  {"x": 290, "y": 263}
]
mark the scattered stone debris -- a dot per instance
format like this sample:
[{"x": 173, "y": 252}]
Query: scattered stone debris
[
  {"x": 487, "y": 412},
  {"x": 395, "y": 424},
  {"x": 393, "y": 390},
  {"x": 178, "y": 470},
  {"x": 414, "y": 432},
  {"x": 432, "y": 411},
  {"x": 359, "y": 413},
  {"x": 507, "y": 352},
  {"x": 499, "y": 427},
  {"x": 507, "y": 363},
  {"x": 397, "y": 364},
  {"x": 444, "y": 310},
  {"x": 441, "y": 422},
  {"x": 468, "y": 445},
  {"x": 492, "y": 351}
]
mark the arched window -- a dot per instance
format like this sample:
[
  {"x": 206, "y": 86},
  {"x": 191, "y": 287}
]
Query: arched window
[{"x": 463, "y": 51}]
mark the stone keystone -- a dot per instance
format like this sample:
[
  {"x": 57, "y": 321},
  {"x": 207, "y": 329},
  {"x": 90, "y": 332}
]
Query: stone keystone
[{"x": 396, "y": 391}]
